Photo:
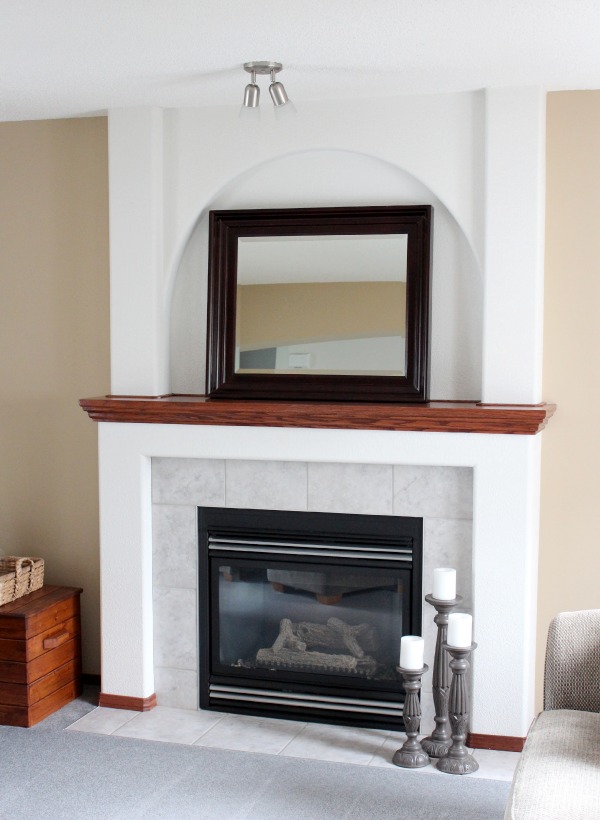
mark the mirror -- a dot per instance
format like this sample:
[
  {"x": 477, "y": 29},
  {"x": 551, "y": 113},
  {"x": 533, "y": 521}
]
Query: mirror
[{"x": 319, "y": 303}]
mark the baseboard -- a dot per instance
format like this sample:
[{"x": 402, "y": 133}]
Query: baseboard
[
  {"x": 125, "y": 702},
  {"x": 500, "y": 743}
]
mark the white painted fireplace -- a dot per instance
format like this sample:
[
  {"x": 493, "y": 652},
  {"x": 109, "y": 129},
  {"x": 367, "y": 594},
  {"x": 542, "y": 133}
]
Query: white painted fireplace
[{"x": 478, "y": 158}]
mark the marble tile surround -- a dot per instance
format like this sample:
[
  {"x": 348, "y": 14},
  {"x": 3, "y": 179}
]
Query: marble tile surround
[{"x": 442, "y": 496}]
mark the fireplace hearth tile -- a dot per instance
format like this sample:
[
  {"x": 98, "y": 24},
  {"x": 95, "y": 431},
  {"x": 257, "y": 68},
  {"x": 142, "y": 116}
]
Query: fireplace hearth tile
[
  {"x": 433, "y": 492},
  {"x": 494, "y": 765},
  {"x": 341, "y": 744},
  {"x": 170, "y": 725},
  {"x": 244, "y": 733},
  {"x": 188, "y": 481},
  {"x": 103, "y": 721},
  {"x": 365, "y": 489},
  {"x": 365, "y": 747},
  {"x": 266, "y": 485}
]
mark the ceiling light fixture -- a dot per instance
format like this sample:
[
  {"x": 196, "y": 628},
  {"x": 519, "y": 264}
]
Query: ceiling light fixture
[{"x": 276, "y": 89}]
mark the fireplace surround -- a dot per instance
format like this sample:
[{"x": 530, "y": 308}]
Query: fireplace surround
[{"x": 478, "y": 158}]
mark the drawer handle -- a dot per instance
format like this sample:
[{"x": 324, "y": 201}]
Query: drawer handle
[{"x": 56, "y": 640}]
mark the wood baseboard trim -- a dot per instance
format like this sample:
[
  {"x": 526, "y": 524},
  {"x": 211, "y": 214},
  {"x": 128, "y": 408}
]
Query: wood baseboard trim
[
  {"x": 499, "y": 743},
  {"x": 125, "y": 702}
]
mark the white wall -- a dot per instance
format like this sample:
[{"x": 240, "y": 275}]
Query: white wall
[
  {"x": 341, "y": 178},
  {"x": 477, "y": 157}
]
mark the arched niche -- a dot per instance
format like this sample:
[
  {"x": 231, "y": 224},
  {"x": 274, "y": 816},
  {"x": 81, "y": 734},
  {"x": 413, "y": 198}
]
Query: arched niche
[{"x": 333, "y": 178}]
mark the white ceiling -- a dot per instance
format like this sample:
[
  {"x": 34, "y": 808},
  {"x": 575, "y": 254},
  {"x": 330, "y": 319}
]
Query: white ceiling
[{"x": 63, "y": 58}]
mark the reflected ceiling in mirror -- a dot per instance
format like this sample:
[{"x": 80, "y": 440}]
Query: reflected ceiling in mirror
[{"x": 314, "y": 303}]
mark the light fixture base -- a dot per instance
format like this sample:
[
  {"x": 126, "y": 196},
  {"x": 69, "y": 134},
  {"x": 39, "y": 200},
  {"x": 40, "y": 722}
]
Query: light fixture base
[{"x": 262, "y": 67}]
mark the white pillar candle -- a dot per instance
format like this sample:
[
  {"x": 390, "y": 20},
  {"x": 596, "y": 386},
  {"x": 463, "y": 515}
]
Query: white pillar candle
[
  {"x": 460, "y": 629},
  {"x": 412, "y": 649},
  {"x": 444, "y": 584}
]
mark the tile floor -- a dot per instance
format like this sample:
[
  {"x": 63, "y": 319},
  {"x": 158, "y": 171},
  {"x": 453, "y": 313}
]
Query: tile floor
[{"x": 315, "y": 741}]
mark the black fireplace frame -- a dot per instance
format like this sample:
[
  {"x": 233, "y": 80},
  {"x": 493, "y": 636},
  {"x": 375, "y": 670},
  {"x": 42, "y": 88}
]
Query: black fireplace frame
[{"x": 397, "y": 534}]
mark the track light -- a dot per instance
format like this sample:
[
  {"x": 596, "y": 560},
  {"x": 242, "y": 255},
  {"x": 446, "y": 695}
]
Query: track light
[
  {"x": 276, "y": 89},
  {"x": 252, "y": 92}
]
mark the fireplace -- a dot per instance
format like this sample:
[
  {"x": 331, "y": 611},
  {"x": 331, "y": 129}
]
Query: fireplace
[{"x": 301, "y": 613}]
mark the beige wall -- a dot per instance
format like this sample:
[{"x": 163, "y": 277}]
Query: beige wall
[
  {"x": 569, "y": 571},
  {"x": 275, "y": 315},
  {"x": 54, "y": 348}
]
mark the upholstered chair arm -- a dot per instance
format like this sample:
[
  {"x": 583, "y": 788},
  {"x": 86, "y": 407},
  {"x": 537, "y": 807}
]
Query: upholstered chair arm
[{"x": 572, "y": 671}]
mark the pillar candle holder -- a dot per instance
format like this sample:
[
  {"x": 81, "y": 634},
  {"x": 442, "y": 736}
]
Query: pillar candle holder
[
  {"x": 411, "y": 755},
  {"x": 438, "y": 742},
  {"x": 458, "y": 760}
]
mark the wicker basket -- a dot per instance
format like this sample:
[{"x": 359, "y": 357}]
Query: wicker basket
[{"x": 19, "y": 576}]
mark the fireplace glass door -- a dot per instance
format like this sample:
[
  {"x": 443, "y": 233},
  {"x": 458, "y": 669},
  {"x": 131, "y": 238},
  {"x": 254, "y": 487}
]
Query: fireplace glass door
[{"x": 303, "y": 613}]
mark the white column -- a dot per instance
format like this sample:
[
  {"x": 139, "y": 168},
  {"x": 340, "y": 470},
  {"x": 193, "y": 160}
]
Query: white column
[
  {"x": 138, "y": 314},
  {"x": 125, "y": 564},
  {"x": 514, "y": 248}
]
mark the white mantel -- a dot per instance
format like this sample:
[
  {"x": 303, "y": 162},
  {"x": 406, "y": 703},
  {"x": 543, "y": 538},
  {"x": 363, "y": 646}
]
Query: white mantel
[{"x": 479, "y": 158}]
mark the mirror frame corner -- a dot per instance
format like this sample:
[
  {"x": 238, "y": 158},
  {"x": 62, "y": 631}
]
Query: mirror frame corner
[{"x": 227, "y": 226}]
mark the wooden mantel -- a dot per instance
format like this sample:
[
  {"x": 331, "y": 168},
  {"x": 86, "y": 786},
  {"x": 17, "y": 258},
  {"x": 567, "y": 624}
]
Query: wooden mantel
[{"x": 432, "y": 417}]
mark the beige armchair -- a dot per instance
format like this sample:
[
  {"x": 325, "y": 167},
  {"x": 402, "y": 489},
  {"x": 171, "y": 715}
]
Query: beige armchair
[{"x": 558, "y": 775}]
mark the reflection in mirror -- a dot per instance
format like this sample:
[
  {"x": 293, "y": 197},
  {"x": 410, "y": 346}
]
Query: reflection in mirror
[{"x": 322, "y": 304}]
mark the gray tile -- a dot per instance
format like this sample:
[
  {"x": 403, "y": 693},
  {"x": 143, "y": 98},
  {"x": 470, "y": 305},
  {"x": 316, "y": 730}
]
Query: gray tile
[
  {"x": 103, "y": 721},
  {"x": 170, "y": 725},
  {"x": 266, "y": 485},
  {"x": 176, "y": 688},
  {"x": 494, "y": 765},
  {"x": 342, "y": 744},
  {"x": 175, "y": 628},
  {"x": 433, "y": 492},
  {"x": 246, "y": 733},
  {"x": 350, "y": 488},
  {"x": 174, "y": 546},
  {"x": 448, "y": 543},
  {"x": 195, "y": 481}
]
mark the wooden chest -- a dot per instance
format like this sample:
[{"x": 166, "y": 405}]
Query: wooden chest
[{"x": 40, "y": 654}]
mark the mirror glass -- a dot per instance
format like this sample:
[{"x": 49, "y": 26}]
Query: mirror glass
[{"x": 321, "y": 304}]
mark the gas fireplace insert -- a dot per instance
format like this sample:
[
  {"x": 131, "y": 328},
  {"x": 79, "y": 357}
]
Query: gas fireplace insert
[{"x": 301, "y": 614}]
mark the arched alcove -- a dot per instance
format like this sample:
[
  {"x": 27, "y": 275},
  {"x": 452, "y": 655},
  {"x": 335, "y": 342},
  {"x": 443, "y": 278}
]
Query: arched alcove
[{"x": 334, "y": 178}]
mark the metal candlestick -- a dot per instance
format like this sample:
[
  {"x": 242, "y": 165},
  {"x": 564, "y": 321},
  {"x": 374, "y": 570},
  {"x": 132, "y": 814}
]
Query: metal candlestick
[
  {"x": 438, "y": 742},
  {"x": 411, "y": 755},
  {"x": 458, "y": 760}
]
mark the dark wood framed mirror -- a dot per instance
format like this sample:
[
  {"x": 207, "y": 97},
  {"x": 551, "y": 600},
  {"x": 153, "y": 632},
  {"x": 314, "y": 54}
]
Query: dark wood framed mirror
[{"x": 319, "y": 303}]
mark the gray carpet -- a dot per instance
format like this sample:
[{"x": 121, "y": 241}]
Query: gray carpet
[{"x": 47, "y": 772}]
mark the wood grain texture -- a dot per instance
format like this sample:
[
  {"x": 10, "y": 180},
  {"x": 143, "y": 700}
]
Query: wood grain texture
[
  {"x": 435, "y": 416},
  {"x": 13, "y": 672},
  {"x": 21, "y": 695},
  {"x": 500, "y": 743},
  {"x": 27, "y": 716},
  {"x": 25, "y": 651},
  {"x": 40, "y": 654},
  {"x": 38, "y": 611},
  {"x": 127, "y": 702}
]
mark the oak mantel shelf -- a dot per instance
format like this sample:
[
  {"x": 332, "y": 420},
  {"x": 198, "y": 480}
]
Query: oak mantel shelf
[{"x": 432, "y": 417}]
